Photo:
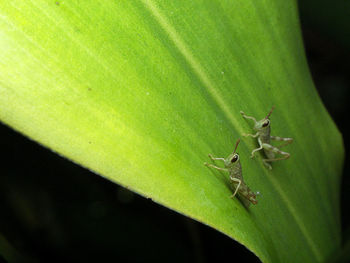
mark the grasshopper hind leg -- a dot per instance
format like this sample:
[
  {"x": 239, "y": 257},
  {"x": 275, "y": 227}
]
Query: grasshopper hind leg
[{"x": 270, "y": 151}]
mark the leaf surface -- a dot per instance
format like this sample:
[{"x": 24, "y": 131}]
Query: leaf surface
[{"x": 142, "y": 91}]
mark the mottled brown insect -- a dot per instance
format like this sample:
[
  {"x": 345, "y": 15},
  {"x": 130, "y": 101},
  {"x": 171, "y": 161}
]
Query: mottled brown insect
[
  {"x": 263, "y": 129},
  {"x": 233, "y": 166}
]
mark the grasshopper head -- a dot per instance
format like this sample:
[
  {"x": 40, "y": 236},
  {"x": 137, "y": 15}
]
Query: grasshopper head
[
  {"x": 264, "y": 123},
  {"x": 233, "y": 158}
]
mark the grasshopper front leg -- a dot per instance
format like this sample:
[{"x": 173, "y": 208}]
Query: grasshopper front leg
[
  {"x": 251, "y": 135},
  {"x": 247, "y": 117},
  {"x": 218, "y": 168},
  {"x": 216, "y": 158}
]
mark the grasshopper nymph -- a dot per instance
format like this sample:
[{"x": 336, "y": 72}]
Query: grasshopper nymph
[
  {"x": 233, "y": 166},
  {"x": 262, "y": 129}
]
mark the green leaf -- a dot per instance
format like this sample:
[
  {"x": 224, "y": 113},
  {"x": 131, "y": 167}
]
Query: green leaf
[{"x": 142, "y": 91}]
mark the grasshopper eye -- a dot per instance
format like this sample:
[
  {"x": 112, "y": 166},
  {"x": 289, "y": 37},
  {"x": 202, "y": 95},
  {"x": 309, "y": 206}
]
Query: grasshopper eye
[
  {"x": 266, "y": 123},
  {"x": 234, "y": 158}
]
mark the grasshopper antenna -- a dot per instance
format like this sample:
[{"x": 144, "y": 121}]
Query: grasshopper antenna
[
  {"x": 268, "y": 115},
  {"x": 236, "y": 145}
]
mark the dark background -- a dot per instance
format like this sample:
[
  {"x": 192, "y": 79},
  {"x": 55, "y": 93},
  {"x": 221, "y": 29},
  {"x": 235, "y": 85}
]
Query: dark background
[{"x": 55, "y": 211}]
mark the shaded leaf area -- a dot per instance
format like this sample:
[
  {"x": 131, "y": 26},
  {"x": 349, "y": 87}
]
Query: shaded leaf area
[{"x": 140, "y": 92}]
